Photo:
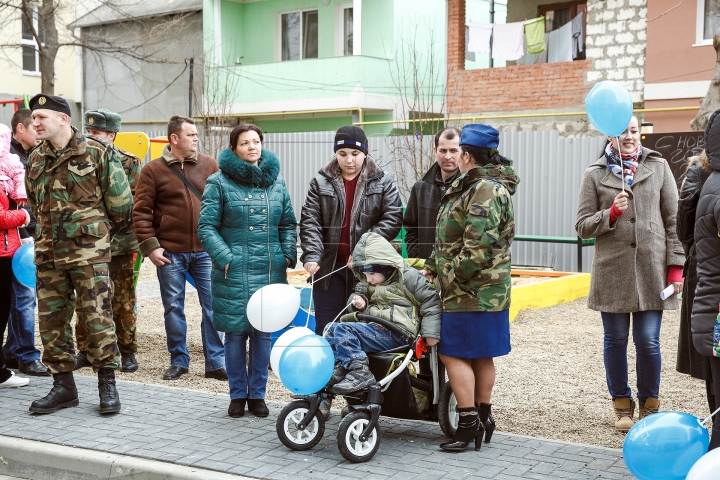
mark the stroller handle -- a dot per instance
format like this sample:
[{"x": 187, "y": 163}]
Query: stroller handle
[{"x": 389, "y": 325}]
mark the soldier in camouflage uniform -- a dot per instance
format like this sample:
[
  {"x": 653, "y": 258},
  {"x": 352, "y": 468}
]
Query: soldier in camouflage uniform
[
  {"x": 79, "y": 192},
  {"x": 471, "y": 260},
  {"x": 104, "y": 125}
]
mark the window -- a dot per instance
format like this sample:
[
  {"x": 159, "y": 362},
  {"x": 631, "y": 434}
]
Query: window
[
  {"x": 347, "y": 37},
  {"x": 559, "y": 14},
  {"x": 299, "y": 35},
  {"x": 31, "y": 56},
  {"x": 710, "y": 18}
]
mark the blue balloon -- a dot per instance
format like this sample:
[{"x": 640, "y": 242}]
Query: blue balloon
[
  {"x": 307, "y": 364},
  {"x": 609, "y": 108},
  {"x": 23, "y": 265},
  {"x": 665, "y": 446},
  {"x": 190, "y": 279},
  {"x": 300, "y": 320}
]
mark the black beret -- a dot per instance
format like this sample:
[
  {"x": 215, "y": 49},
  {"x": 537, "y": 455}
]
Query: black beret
[{"x": 49, "y": 102}]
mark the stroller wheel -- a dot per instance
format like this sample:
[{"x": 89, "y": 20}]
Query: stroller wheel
[
  {"x": 447, "y": 411},
  {"x": 348, "y": 438},
  {"x": 288, "y": 433}
]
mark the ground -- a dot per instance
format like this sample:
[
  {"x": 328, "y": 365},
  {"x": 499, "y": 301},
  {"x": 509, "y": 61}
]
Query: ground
[{"x": 552, "y": 384}]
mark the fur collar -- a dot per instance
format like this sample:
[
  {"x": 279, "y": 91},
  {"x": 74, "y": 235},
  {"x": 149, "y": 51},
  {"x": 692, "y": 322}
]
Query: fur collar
[
  {"x": 370, "y": 169},
  {"x": 264, "y": 175},
  {"x": 702, "y": 159}
]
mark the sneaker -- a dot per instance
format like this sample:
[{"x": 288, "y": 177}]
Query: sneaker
[
  {"x": 14, "y": 381},
  {"x": 358, "y": 378}
]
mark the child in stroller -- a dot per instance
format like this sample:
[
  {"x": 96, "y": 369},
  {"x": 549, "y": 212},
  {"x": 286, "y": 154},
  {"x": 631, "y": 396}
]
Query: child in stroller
[
  {"x": 388, "y": 289},
  {"x": 393, "y": 309}
]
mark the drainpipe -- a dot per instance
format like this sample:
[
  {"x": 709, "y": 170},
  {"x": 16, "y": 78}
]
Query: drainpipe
[{"x": 492, "y": 20}]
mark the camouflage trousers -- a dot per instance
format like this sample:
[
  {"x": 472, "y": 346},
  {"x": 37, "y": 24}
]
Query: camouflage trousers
[
  {"x": 123, "y": 307},
  {"x": 56, "y": 294}
]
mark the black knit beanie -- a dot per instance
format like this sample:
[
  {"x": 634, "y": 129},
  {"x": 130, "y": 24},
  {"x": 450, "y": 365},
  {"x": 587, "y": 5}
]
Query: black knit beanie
[
  {"x": 351, "y": 137},
  {"x": 385, "y": 270}
]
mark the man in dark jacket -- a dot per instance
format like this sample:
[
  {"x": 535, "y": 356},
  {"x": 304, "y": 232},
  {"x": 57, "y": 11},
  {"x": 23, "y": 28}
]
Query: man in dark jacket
[
  {"x": 19, "y": 349},
  {"x": 705, "y": 329},
  {"x": 165, "y": 217},
  {"x": 422, "y": 207}
]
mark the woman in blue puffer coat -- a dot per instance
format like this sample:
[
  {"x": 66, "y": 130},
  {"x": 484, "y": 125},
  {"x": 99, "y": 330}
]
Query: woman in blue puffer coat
[{"x": 248, "y": 227}]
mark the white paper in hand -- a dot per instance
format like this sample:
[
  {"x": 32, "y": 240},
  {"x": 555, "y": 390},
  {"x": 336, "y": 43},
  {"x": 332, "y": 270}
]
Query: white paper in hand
[{"x": 668, "y": 292}]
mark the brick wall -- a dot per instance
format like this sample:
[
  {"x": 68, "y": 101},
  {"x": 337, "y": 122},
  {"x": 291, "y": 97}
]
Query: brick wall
[{"x": 615, "y": 51}]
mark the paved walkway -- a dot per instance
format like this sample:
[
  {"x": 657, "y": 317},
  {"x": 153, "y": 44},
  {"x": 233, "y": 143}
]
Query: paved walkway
[{"x": 192, "y": 429}]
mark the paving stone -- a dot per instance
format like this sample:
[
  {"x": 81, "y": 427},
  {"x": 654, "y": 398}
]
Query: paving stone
[{"x": 196, "y": 432}]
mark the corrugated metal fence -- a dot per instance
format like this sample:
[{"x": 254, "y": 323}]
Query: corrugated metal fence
[{"x": 550, "y": 169}]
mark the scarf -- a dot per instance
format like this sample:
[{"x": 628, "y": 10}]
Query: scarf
[{"x": 622, "y": 165}]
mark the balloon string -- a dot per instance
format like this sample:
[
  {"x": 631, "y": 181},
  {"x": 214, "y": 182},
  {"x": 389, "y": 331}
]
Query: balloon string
[
  {"x": 310, "y": 305},
  {"x": 327, "y": 327},
  {"x": 325, "y": 276},
  {"x": 703, "y": 422},
  {"x": 622, "y": 167}
]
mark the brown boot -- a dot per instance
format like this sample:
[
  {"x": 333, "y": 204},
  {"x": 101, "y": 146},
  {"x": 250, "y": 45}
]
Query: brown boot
[
  {"x": 624, "y": 412},
  {"x": 652, "y": 405}
]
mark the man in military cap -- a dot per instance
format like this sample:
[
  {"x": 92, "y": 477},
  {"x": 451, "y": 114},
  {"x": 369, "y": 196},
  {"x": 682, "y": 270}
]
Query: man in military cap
[
  {"x": 104, "y": 125},
  {"x": 79, "y": 193}
]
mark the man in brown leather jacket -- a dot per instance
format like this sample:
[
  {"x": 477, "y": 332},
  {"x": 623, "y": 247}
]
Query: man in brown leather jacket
[{"x": 165, "y": 216}]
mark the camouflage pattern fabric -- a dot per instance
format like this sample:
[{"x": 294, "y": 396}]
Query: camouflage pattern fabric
[
  {"x": 123, "y": 307},
  {"x": 78, "y": 194},
  {"x": 123, "y": 241},
  {"x": 475, "y": 228},
  {"x": 56, "y": 290}
]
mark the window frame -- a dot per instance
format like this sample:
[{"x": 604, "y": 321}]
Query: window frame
[
  {"x": 340, "y": 28},
  {"x": 700, "y": 26},
  {"x": 278, "y": 32},
  {"x": 572, "y": 5},
  {"x": 31, "y": 43}
]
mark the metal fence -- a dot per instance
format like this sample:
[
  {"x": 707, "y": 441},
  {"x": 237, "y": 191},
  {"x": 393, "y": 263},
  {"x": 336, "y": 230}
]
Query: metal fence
[{"x": 550, "y": 169}]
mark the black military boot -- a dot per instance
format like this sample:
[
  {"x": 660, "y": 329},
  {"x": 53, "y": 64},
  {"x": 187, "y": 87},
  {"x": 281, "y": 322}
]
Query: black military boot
[
  {"x": 63, "y": 395},
  {"x": 109, "y": 398},
  {"x": 81, "y": 361}
]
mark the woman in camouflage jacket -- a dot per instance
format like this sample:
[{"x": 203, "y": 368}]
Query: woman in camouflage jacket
[{"x": 471, "y": 260}]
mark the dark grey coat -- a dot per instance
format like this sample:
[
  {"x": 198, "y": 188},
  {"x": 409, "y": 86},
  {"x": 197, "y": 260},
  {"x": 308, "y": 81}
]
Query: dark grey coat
[
  {"x": 376, "y": 208},
  {"x": 420, "y": 217},
  {"x": 689, "y": 360},
  {"x": 707, "y": 245},
  {"x": 632, "y": 255}
]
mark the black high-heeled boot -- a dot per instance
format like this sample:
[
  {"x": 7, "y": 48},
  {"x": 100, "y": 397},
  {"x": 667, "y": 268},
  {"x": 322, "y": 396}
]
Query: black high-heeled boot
[
  {"x": 469, "y": 428},
  {"x": 487, "y": 420}
]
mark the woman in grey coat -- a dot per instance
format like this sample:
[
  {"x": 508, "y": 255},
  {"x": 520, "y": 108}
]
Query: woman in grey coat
[{"x": 628, "y": 203}]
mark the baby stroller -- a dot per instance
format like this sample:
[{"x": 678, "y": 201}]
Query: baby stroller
[{"x": 399, "y": 393}]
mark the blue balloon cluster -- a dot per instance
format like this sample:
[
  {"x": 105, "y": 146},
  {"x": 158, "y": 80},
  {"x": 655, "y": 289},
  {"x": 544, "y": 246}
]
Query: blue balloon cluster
[
  {"x": 609, "y": 108},
  {"x": 23, "y": 265},
  {"x": 665, "y": 446},
  {"x": 307, "y": 364}
]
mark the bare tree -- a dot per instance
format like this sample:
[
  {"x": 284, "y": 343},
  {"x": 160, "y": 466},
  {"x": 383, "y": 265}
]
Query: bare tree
[
  {"x": 213, "y": 103},
  {"x": 711, "y": 102},
  {"x": 418, "y": 76},
  {"x": 50, "y": 24}
]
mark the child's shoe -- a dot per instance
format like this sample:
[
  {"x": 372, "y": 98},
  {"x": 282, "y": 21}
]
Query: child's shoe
[{"x": 358, "y": 377}]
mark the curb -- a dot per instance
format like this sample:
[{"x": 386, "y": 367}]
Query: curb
[{"x": 32, "y": 460}]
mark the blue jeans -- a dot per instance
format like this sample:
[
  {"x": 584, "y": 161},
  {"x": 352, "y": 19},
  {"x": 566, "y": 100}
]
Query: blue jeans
[
  {"x": 352, "y": 340},
  {"x": 172, "y": 291},
  {"x": 20, "y": 342},
  {"x": 250, "y": 382},
  {"x": 646, "y": 336}
]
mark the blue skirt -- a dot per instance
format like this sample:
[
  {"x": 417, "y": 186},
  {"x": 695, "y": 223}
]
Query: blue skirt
[{"x": 475, "y": 334}]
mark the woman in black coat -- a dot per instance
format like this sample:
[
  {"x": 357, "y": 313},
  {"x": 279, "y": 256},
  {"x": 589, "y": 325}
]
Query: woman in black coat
[
  {"x": 689, "y": 361},
  {"x": 705, "y": 328}
]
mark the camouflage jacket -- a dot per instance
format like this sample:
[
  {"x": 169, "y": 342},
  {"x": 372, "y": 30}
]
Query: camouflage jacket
[
  {"x": 78, "y": 194},
  {"x": 475, "y": 228},
  {"x": 123, "y": 242}
]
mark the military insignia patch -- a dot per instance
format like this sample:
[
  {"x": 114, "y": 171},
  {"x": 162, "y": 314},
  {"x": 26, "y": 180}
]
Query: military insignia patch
[{"x": 42, "y": 100}]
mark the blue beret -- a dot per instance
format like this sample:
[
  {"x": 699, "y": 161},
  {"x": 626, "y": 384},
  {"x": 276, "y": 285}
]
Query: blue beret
[{"x": 479, "y": 135}]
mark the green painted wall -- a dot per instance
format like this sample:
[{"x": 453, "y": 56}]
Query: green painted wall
[
  {"x": 378, "y": 17},
  {"x": 321, "y": 124}
]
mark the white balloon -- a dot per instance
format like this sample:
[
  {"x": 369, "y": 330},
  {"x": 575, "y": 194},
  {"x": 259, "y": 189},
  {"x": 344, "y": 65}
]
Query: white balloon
[
  {"x": 707, "y": 468},
  {"x": 282, "y": 343},
  {"x": 273, "y": 307}
]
